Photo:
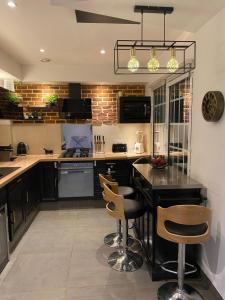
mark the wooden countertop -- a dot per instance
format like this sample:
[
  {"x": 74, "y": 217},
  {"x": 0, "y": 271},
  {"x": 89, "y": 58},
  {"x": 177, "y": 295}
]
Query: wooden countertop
[
  {"x": 168, "y": 178},
  {"x": 24, "y": 163}
]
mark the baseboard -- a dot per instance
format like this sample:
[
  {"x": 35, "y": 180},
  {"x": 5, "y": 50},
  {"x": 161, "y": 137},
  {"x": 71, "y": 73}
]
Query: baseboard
[{"x": 212, "y": 287}]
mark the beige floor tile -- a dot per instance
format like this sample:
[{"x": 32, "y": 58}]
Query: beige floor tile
[
  {"x": 60, "y": 240},
  {"x": 47, "y": 295},
  {"x": 107, "y": 292},
  {"x": 63, "y": 257},
  {"x": 39, "y": 272}
]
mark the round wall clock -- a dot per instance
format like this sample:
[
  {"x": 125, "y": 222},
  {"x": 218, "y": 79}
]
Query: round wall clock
[{"x": 213, "y": 106}]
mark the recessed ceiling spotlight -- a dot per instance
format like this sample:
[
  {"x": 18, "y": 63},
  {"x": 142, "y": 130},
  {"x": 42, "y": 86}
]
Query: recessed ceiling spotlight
[
  {"x": 12, "y": 3},
  {"x": 42, "y": 50},
  {"x": 102, "y": 51},
  {"x": 45, "y": 60}
]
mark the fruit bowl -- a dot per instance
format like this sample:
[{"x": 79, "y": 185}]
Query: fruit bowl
[{"x": 159, "y": 163}]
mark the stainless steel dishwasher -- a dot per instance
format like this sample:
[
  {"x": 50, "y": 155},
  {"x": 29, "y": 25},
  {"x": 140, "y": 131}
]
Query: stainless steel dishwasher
[{"x": 76, "y": 180}]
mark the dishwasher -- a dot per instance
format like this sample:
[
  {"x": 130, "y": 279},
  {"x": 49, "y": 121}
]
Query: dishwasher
[
  {"x": 75, "y": 180},
  {"x": 4, "y": 250}
]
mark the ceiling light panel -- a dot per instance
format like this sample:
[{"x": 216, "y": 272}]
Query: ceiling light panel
[{"x": 12, "y": 3}]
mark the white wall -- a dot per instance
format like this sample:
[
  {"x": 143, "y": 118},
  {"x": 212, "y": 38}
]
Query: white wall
[
  {"x": 125, "y": 134},
  {"x": 208, "y": 143},
  {"x": 9, "y": 65},
  {"x": 77, "y": 73}
]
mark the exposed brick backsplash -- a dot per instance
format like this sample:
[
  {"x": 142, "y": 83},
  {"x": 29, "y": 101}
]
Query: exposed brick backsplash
[{"x": 104, "y": 100}]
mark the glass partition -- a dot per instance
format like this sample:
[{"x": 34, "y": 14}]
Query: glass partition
[
  {"x": 160, "y": 135},
  {"x": 172, "y": 122}
]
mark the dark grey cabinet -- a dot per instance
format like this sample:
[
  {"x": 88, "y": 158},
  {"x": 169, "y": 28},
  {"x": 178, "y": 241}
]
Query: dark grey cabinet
[
  {"x": 23, "y": 197},
  {"x": 49, "y": 178},
  {"x": 120, "y": 170},
  {"x": 17, "y": 195}
]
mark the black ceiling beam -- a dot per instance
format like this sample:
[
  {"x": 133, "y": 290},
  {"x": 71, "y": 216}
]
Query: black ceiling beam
[
  {"x": 88, "y": 17},
  {"x": 153, "y": 9}
]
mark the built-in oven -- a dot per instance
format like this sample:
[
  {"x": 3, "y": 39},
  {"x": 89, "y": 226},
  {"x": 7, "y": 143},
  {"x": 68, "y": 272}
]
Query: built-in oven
[
  {"x": 4, "y": 251},
  {"x": 75, "y": 180}
]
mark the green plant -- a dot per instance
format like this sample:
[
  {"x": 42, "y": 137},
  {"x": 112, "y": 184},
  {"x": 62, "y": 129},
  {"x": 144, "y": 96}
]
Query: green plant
[
  {"x": 13, "y": 99},
  {"x": 51, "y": 99}
]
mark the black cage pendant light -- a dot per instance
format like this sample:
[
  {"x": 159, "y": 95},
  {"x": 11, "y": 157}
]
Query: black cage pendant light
[{"x": 154, "y": 56}]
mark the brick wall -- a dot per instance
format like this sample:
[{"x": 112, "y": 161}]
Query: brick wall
[
  {"x": 7, "y": 110},
  {"x": 104, "y": 100}
]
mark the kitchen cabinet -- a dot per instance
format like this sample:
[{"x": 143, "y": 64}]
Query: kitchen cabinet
[
  {"x": 17, "y": 195},
  {"x": 120, "y": 170},
  {"x": 23, "y": 198},
  {"x": 168, "y": 193},
  {"x": 33, "y": 194},
  {"x": 49, "y": 177}
]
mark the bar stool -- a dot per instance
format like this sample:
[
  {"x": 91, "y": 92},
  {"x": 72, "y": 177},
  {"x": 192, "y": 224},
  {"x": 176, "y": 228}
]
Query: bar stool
[
  {"x": 118, "y": 207},
  {"x": 114, "y": 239},
  {"x": 182, "y": 224}
]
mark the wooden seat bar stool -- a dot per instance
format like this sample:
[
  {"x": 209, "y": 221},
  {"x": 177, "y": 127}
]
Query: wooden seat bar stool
[
  {"x": 114, "y": 239},
  {"x": 182, "y": 224},
  {"x": 123, "y": 260}
]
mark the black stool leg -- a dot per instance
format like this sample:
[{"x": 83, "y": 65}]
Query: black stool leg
[
  {"x": 125, "y": 260},
  {"x": 179, "y": 291}
]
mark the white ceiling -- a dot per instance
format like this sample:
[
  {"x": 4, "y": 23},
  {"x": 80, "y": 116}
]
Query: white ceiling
[{"x": 51, "y": 25}]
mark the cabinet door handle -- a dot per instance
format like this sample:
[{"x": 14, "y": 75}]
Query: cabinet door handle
[
  {"x": 145, "y": 106},
  {"x": 27, "y": 196},
  {"x": 13, "y": 218}
]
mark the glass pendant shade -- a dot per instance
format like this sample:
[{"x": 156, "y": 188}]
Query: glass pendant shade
[
  {"x": 153, "y": 63},
  {"x": 172, "y": 64},
  {"x": 133, "y": 63}
]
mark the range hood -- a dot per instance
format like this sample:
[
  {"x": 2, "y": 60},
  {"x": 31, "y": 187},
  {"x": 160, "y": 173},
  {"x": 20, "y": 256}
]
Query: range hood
[{"x": 75, "y": 107}]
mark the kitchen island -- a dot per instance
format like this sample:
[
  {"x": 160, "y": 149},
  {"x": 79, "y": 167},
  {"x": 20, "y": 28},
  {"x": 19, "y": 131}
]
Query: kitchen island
[{"x": 165, "y": 187}]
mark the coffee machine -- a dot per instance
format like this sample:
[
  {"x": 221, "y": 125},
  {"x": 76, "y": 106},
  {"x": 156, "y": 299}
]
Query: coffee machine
[{"x": 139, "y": 145}]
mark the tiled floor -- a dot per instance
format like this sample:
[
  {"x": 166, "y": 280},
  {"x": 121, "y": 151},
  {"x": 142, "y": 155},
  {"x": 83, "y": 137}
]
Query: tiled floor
[{"x": 62, "y": 257}]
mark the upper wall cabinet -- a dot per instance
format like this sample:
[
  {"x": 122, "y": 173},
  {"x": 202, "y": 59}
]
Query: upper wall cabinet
[{"x": 134, "y": 109}]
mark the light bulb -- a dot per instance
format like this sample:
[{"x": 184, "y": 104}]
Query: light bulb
[
  {"x": 12, "y": 3},
  {"x": 153, "y": 63},
  {"x": 172, "y": 64},
  {"x": 133, "y": 63}
]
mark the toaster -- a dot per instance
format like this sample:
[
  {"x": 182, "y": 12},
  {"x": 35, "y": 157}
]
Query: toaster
[{"x": 119, "y": 148}]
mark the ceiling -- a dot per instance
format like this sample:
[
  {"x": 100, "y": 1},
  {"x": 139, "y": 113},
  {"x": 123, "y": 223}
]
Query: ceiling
[{"x": 51, "y": 25}]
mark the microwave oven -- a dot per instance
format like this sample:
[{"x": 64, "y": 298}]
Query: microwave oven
[{"x": 134, "y": 109}]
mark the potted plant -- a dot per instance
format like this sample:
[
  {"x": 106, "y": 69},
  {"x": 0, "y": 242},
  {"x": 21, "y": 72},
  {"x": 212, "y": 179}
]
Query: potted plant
[
  {"x": 51, "y": 100},
  {"x": 13, "y": 99}
]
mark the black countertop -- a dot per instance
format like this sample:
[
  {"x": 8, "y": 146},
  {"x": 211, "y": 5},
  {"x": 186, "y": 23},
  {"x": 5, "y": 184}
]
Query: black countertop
[{"x": 169, "y": 178}]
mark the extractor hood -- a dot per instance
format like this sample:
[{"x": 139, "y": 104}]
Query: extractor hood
[{"x": 75, "y": 107}]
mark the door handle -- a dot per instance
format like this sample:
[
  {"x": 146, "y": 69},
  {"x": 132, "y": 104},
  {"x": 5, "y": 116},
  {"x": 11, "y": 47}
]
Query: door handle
[
  {"x": 19, "y": 180},
  {"x": 145, "y": 106},
  {"x": 13, "y": 219}
]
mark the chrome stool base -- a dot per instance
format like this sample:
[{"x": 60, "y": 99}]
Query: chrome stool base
[
  {"x": 114, "y": 240},
  {"x": 170, "y": 291},
  {"x": 125, "y": 262}
]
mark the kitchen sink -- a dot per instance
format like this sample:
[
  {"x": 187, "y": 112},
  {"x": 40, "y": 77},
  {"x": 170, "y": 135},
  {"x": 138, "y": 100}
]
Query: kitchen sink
[{"x": 6, "y": 171}]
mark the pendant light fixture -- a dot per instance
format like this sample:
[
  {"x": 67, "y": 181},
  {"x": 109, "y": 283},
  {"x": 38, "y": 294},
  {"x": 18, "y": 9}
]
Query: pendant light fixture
[
  {"x": 166, "y": 56},
  {"x": 133, "y": 63},
  {"x": 153, "y": 63},
  {"x": 172, "y": 64}
]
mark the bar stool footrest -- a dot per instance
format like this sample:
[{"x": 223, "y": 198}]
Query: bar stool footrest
[{"x": 165, "y": 267}]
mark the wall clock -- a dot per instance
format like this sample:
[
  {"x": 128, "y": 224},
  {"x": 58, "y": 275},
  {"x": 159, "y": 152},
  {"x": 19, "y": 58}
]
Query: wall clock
[{"x": 213, "y": 106}]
